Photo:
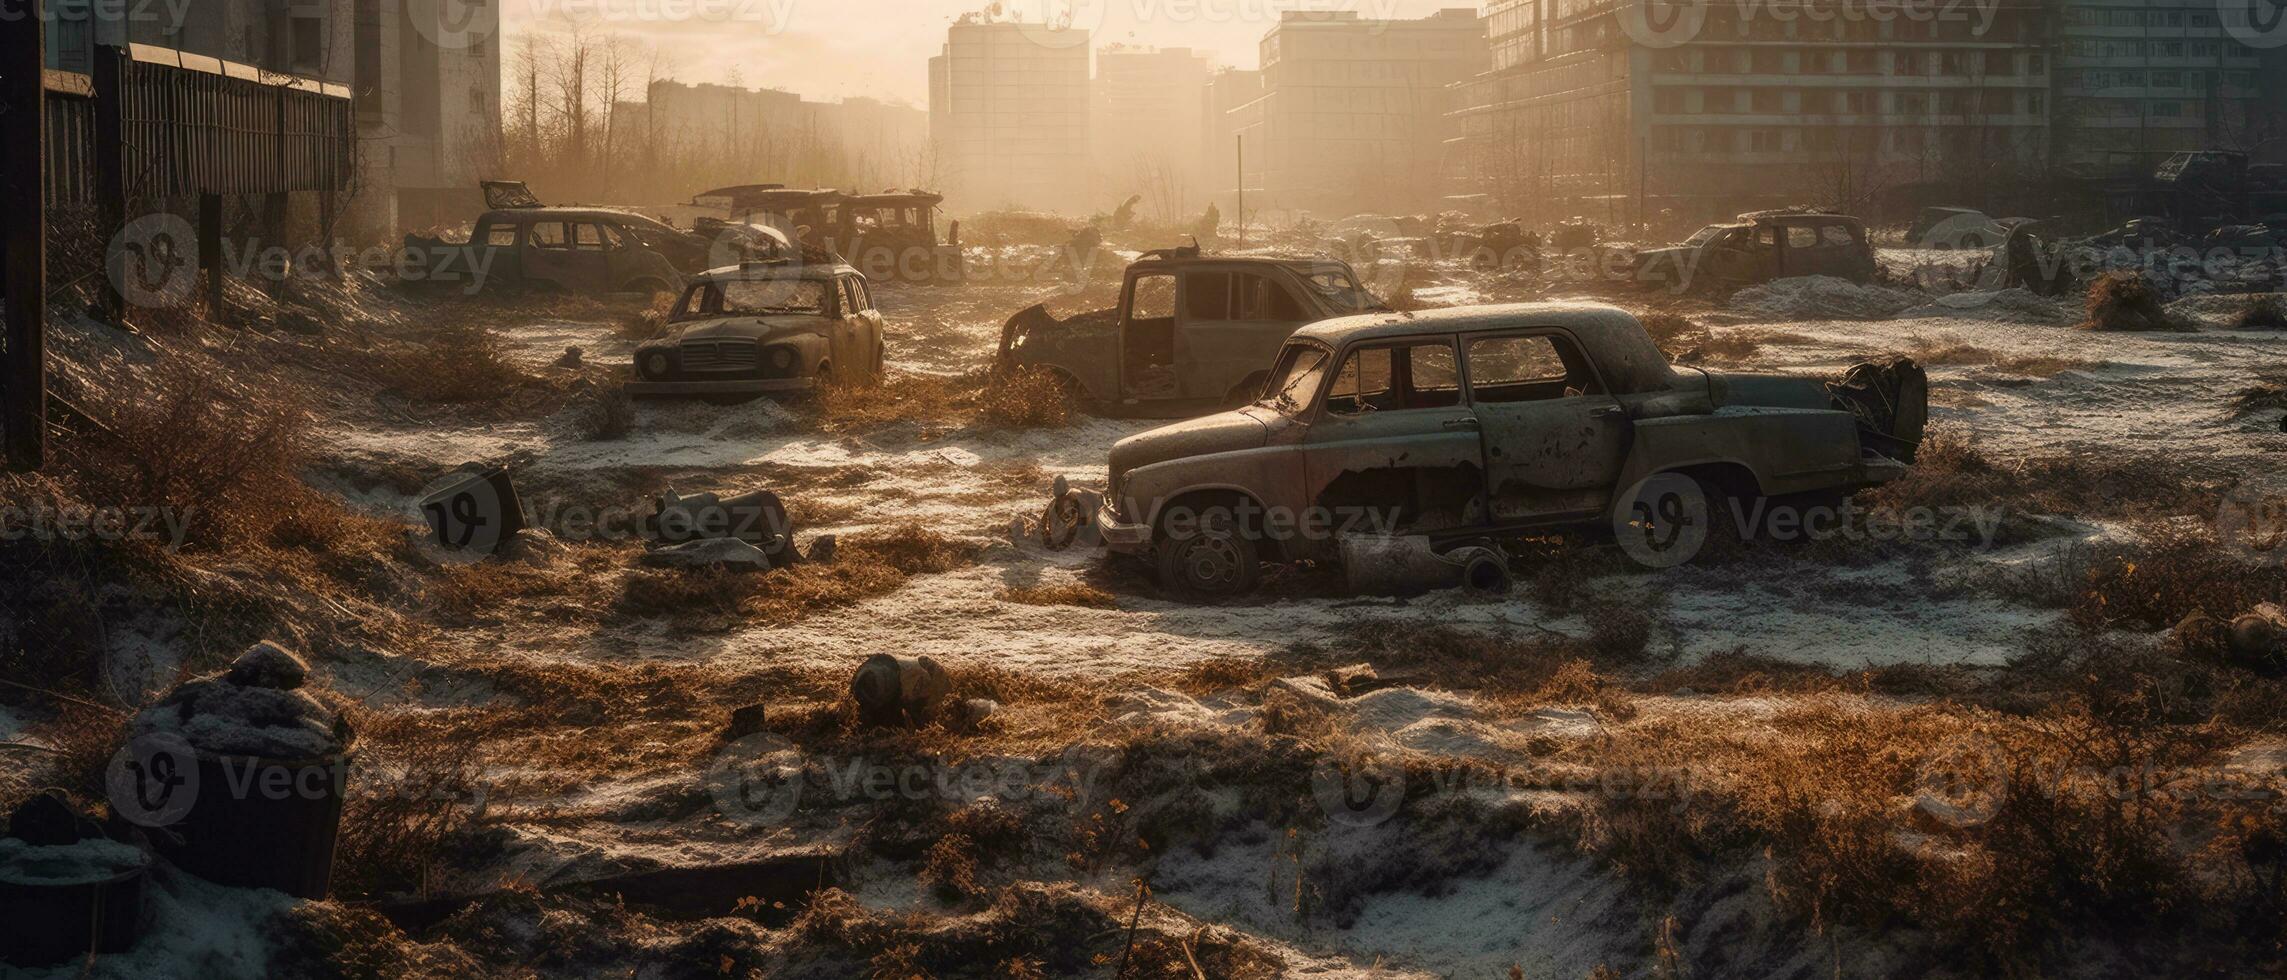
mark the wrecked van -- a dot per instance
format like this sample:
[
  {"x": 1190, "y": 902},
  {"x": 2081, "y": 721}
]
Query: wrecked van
[
  {"x": 1476, "y": 423},
  {"x": 1761, "y": 246},
  {"x": 1193, "y": 333}
]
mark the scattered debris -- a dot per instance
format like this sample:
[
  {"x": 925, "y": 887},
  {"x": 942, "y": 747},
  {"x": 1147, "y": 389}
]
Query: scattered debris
[
  {"x": 708, "y": 553},
  {"x": 1406, "y": 565},
  {"x": 2265, "y": 313},
  {"x": 756, "y": 517},
  {"x": 905, "y": 692}
]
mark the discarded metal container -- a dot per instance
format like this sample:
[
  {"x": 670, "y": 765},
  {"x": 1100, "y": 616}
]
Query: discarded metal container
[
  {"x": 51, "y": 923},
  {"x": 262, "y": 823}
]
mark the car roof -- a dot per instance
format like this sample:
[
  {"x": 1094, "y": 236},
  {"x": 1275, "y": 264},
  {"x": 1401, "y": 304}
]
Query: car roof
[
  {"x": 1299, "y": 264},
  {"x": 755, "y": 271},
  {"x": 1625, "y": 354}
]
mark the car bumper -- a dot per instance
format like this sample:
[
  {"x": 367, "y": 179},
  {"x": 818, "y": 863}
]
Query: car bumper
[
  {"x": 1122, "y": 537},
  {"x": 736, "y": 386}
]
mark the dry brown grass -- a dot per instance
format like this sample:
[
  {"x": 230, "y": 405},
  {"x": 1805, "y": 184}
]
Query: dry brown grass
[
  {"x": 864, "y": 566},
  {"x": 2267, "y": 313},
  {"x": 457, "y": 362},
  {"x": 2268, "y": 392},
  {"x": 1952, "y": 471},
  {"x": 414, "y": 789},
  {"x": 648, "y": 322},
  {"x": 2124, "y": 301},
  {"x": 1076, "y": 594},
  {"x": 1952, "y": 349},
  {"x": 1028, "y": 398}
]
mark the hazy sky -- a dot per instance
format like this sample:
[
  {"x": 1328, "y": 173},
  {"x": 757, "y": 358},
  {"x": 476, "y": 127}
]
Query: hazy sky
[{"x": 831, "y": 48}]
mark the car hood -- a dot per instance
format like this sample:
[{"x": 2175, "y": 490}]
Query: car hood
[
  {"x": 763, "y": 328},
  {"x": 1221, "y": 433}
]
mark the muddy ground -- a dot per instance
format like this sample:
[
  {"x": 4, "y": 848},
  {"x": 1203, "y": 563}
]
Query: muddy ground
[{"x": 1746, "y": 766}]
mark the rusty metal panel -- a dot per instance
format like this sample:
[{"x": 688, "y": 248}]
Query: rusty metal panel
[
  {"x": 189, "y": 127},
  {"x": 69, "y": 136}
]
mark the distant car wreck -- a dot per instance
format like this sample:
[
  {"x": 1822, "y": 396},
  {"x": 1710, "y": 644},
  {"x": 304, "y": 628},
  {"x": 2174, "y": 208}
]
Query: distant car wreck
[
  {"x": 1758, "y": 248},
  {"x": 891, "y": 236},
  {"x": 587, "y": 249},
  {"x": 775, "y": 327},
  {"x": 1193, "y": 333},
  {"x": 1470, "y": 424}
]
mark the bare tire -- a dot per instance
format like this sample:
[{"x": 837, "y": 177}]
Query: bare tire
[{"x": 1214, "y": 560}]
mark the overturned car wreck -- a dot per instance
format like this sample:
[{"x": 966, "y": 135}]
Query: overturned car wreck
[{"x": 1474, "y": 424}]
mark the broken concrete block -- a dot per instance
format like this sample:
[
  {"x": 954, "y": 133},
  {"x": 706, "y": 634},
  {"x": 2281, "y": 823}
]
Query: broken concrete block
[
  {"x": 709, "y": 553},
  {"x": 901, "y": 691}
]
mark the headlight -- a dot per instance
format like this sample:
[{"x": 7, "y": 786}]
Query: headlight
[
  {"x": 781, "y": 358},
  {"x": 653, "y": 364}
]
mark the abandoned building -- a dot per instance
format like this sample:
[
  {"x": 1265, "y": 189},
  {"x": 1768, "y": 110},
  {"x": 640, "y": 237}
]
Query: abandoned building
[
  {"x": 1582, "y": 116},
  {"x": 1354, "y": 111},
  {"x": 722, "y": 134},
  {"x": 1009, "y": 115}
]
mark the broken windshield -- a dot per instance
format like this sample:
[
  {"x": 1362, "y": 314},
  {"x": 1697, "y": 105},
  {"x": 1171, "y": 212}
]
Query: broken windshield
[
  {"x": 1704, "y": 235},
  {"x": 759, "y": 297},
  {"x": 1343, "y": 292},
  {"x": 1296, "y": 378}
]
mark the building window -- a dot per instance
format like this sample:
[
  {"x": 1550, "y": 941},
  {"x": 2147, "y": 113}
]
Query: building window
[{"x": 1763, "y": 141}]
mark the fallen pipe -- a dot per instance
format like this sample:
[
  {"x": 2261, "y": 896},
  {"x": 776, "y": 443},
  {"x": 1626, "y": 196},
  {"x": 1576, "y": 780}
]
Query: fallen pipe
[{"x": 1407, "y": 565}]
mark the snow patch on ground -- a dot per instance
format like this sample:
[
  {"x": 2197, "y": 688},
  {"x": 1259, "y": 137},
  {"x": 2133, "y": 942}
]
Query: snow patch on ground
[
  {"x": 1823, "y": 296},
  {"x": 195, "y": 929}
]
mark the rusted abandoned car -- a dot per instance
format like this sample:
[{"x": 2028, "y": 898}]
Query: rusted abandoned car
[
  {"x": 583, "y": 249},
  {"x": 1479, "y": 423},
  {"x": 776, "y": 327},
  {"x": 1193, "y": 333},
  {"x": 1759, "y": 247},
  {"x": 887, "y": 236}
]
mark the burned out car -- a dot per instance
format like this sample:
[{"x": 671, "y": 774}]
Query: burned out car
[
  {"x": 1476, "y": 423},
  {"x": 888, "y": 236},
  {"x": 775, "y": 327},
  {"x": 521, "y": 242},
  {"x": 1193, "y": 333},
  {"x": 1757, "y": 248}
]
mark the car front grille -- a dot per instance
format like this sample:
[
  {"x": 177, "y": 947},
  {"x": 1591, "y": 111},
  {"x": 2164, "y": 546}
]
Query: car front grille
[{"x": 720, "y": 355}]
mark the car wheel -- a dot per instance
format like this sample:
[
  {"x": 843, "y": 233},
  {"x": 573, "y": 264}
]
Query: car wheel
[{"x": 1215, "y": 560}]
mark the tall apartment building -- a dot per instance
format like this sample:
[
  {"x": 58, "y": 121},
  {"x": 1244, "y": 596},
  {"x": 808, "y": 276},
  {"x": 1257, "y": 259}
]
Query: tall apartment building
[
  {"x": 2140, "y": 79},
  {"x": 1577, "y": 115},
  {"x": 1354, "y": 112},
  {"x": 1226, "y": 91},
  {"x": 1148, "y": 132},
  {"x": 709, "y": 119},
  {"x": 1008, "y": 118},
  {"x": 428, "y": 109}
]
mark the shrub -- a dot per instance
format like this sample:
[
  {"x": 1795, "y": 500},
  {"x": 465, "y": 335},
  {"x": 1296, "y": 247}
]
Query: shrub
[
  {"x": 2123, "y": 300},
  {"x": 455, "y": 364},
  {"x": 2263, "y": 314},
  {"x": 1026, "y": 398}
]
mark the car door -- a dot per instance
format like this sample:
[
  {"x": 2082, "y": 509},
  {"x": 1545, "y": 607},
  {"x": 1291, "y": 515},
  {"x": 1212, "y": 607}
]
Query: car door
[
  {"x": 495, "y": 250},
  {"x": 569, "y": 254},
  {"x": 1394, "y": 443},
  {"x": 1205, "y": 330},
  {"x": 1147, "y": 338},
  {"x": 1555, "y": 437}
]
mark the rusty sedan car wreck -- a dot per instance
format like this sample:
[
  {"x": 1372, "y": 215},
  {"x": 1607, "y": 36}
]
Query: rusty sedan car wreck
[
  {"x": 1759, "y": 247},
  {"x": 1193, "y": 333},
  {"x": 767, "y": 327},
  {"x": 1473, "y": 424}
]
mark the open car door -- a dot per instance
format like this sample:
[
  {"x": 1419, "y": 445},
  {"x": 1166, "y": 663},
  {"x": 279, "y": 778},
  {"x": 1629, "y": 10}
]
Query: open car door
[{"x": 504, "y": 195}]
